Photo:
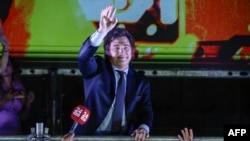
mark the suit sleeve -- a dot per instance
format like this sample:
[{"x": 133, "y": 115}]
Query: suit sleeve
[{"x": 86, "y": 61}]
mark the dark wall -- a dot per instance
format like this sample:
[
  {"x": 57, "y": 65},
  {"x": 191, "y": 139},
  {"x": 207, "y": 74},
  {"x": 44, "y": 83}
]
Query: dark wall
[{"x": 204, "y": 104}]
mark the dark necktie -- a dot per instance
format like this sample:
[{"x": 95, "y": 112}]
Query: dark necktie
[{"x": 119, "y": 103}]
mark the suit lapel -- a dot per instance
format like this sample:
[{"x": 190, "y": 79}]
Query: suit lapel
[
  {"x": 111, "y": 84},
  {"x": 130, "y": 85}
]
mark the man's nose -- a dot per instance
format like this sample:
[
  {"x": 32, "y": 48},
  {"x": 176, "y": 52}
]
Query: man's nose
[{"x": 121, "y": 50}]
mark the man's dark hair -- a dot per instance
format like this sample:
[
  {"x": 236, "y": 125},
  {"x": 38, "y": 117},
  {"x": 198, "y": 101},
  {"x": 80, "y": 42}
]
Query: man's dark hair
[{"x": 116, "y": 33}]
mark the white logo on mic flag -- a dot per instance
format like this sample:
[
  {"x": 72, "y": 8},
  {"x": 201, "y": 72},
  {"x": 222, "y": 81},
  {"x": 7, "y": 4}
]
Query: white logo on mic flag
[
  {"x": 80, "y": 114},
  {"x": 85, "y": 116},
  {"x": 78, "y": 111}
]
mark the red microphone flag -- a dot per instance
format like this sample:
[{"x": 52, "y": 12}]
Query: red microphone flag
[{"x": 80, "y": 115}]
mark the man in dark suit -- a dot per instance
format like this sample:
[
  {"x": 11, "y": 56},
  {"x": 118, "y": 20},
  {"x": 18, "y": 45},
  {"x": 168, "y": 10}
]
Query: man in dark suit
[{"x": 101, "y": 76}]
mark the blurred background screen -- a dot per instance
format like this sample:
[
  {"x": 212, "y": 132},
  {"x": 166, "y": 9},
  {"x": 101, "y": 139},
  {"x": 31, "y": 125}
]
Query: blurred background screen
[{"x": 167, "y": 32}]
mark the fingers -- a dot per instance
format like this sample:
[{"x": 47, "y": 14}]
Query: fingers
[
  {"x": 180, "y": 138},
  {"x": 109, "y": 13},
  {"x": 187, "y": 135},
  {"x": 140, "y": 134},
  {"x": 191, "y": 133},
  {"x": 68, "y": 137},
  {"x": 105, "y": 11},
  {"x": 184, "y": 133},
  {"x": 108, "y": 19}
]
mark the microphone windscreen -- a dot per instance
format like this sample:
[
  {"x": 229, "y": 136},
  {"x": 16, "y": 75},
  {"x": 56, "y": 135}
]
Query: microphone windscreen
[{"x": 80, "y": 114}]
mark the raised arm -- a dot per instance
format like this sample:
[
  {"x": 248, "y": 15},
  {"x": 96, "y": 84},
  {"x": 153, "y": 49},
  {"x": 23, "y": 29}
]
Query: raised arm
[
  {"x": 107, "y": 20},
  {"x": 5, "y": 50}
]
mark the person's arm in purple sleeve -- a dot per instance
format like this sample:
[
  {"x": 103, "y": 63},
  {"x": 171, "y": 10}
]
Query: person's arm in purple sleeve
[{"x": 5, "y": 50}]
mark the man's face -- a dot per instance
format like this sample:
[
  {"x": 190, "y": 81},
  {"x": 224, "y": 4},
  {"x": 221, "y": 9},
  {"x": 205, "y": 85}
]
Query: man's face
[{"x": 120, "y": 52}]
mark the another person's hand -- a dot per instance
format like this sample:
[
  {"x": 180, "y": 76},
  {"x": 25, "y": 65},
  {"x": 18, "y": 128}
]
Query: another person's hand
[
  {"x": 68, "y": 137},
  {"x": 9, "y": 96},
  {"x": 187, "y": 135},
  {"x": 140, "y": 134},
  {"x": 108, "y": 20}
]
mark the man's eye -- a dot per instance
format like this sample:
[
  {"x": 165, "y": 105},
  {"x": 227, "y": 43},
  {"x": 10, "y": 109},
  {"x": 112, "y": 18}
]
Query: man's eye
[{"x": 127, "y": 48}]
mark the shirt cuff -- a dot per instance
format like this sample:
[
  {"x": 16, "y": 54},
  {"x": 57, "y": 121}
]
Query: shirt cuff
[
  {"x": 144, "y": 126},
  {"x": 97, "y": 38}
]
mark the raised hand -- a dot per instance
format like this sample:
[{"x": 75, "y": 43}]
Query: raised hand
[
  {"x": 187, "y": 135},
  {"x": 108, "y": 20}
]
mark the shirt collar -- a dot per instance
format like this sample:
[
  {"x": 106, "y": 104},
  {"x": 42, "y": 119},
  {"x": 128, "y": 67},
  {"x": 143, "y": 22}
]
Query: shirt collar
[{"x": 115, "y": 68}]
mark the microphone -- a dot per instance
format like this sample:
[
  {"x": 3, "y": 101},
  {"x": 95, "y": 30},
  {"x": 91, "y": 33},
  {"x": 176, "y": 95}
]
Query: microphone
[{"x": 80, "y": 115}]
